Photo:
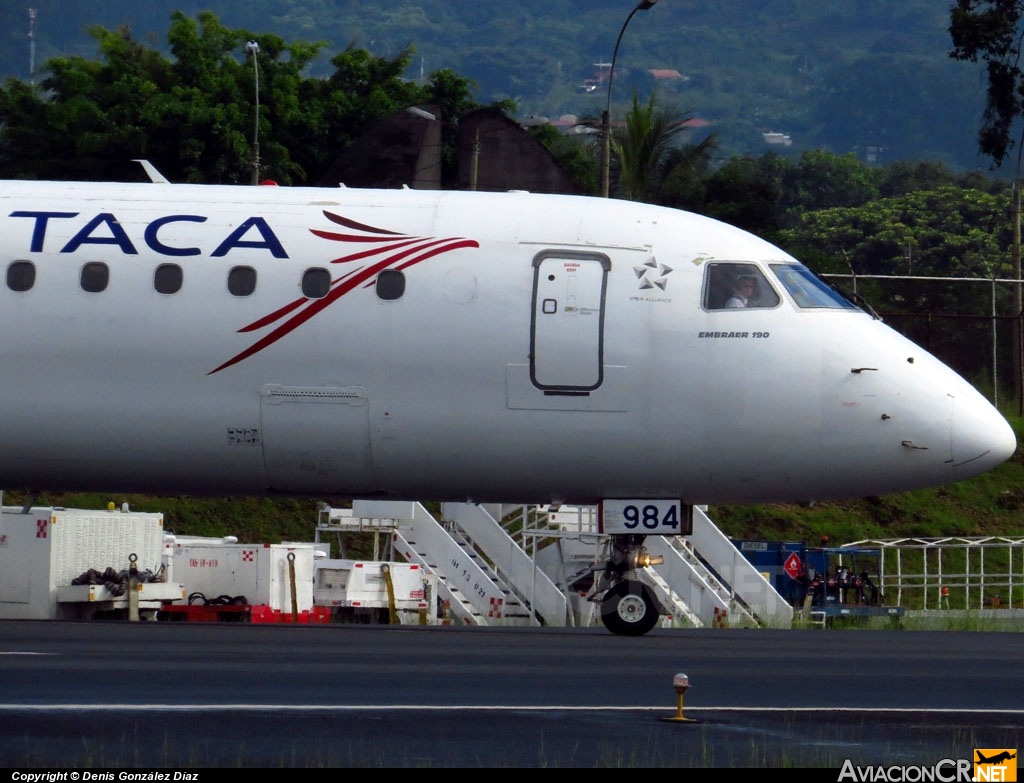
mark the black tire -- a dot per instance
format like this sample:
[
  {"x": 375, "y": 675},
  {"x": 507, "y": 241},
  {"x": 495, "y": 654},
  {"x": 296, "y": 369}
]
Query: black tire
[{"x": 629, "y": 609}]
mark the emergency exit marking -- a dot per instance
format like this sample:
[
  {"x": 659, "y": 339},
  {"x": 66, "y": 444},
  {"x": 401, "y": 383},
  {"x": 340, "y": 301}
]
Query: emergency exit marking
[
  {"x": 41, "y": 528},
  {"x": 248, "y": 556}
]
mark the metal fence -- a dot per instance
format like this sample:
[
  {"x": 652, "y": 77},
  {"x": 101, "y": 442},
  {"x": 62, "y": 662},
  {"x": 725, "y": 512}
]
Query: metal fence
[{"x": 983, "y": 572}]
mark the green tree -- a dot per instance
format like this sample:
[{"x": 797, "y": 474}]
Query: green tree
[
  {"x": 906, "y": 177},
  {"x": 193, "y": 116},
  {"x": 990, "y": 30},
  {"x": 198, "y": 114},
  {"x": 823, "y": 179},
  {"x": 647, "y": 149},
  {"x": 747, "y": 191},
  {"x": 946, "y": 232},
  {"x": 766, "y": 193},
  {"x": 84, "y": 114},
  {"x": 578, "y": 158},
  {"x": 206, "y": 124}
]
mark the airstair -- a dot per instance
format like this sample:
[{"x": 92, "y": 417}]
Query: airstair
[
  {"x": 532, "y": 565},
  {"x": 715, "y": 581},
  {"x": 483, "y": 576},
  {"x": 531, "y": 594}
]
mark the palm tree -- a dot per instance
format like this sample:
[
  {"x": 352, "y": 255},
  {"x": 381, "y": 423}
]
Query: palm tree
[{"x": 647, "y": 149}]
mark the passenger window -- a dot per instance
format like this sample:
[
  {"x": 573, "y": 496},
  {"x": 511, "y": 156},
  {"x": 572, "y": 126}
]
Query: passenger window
[
  {"x": 21, "y": 275},
  {"x": 242, "y": 280},
  {"x": 95, "y": 277},
  {"x": 737, "y": 286},
  {"x": 167, "y": 279},
  {"x": 316, "y": 283},
  {"x": 390, "y": 284}
]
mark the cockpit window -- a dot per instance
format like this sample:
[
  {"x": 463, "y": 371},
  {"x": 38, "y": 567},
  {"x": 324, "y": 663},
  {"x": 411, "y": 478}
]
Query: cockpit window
[
  {"x": 735, "y": 286},
  {"x": 809, "y": 290}
]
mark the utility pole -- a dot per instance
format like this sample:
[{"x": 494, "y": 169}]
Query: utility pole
[
  {"x": 1018, "y": 331},
  {"x": 474, "y": 165},
  {"x": 253, "y": 48},
  {"x": 32, "y": 15}
]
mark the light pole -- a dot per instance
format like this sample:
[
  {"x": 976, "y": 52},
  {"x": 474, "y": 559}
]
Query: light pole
[
  {"x": 1018, "y": 299},
  {"x": 254, "y": 48},
  {"x": 606, "y": 129}
]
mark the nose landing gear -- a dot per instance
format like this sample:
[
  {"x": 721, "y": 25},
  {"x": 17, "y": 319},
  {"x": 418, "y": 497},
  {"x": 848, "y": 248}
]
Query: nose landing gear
[{"x": 628, "y": 606}]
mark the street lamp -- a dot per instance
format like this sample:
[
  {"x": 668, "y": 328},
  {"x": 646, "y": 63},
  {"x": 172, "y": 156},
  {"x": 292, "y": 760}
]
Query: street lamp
[
  {"x": 1018, "y": 299},
  {"x": 254, "y": 48},
  {"x": 606, "y": 131}
]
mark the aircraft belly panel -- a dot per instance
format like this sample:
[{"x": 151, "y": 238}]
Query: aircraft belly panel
[{"x": 316, "y": 439}]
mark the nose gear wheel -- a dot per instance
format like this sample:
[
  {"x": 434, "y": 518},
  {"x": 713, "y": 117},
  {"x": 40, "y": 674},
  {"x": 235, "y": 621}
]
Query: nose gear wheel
[{"x": 629, "y": 608}]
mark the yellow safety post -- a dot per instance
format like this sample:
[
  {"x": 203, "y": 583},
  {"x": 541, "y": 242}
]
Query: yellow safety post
[{"x": 681, "y": 683}]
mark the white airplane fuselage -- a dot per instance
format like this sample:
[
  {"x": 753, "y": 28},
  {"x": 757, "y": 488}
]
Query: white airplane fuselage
[{"x": 491, "y": 347}]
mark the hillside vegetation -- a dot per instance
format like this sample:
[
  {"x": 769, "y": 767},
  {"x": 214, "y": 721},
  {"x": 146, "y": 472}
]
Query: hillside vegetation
[{"x": 873, "y": 76}]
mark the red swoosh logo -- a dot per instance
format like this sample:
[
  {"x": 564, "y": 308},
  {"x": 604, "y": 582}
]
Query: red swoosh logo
[{"x": 390, "y": 250}]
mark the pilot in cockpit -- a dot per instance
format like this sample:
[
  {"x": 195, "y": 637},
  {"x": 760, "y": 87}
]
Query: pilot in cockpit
[{"x": 744, "y": 292}]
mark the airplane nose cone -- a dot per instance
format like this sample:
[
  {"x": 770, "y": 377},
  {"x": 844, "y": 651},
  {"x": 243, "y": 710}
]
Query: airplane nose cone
[{"x": 982, "y": 438}]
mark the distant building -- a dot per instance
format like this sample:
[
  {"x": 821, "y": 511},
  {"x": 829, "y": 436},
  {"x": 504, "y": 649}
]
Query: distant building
[
  {"x": 667, "y": 74},
  {"x": 692, "y": 128},
  {"x": 495, "y": 153},
  {"x": 404, "y": 150},
  {"x": 597, "y": 77},
  {"x": 777, "y": 139},
  {"x": 572, "y": 125}
]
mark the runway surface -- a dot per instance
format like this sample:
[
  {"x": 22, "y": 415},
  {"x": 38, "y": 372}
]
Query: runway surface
[{"x": 188, "y": 696}]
